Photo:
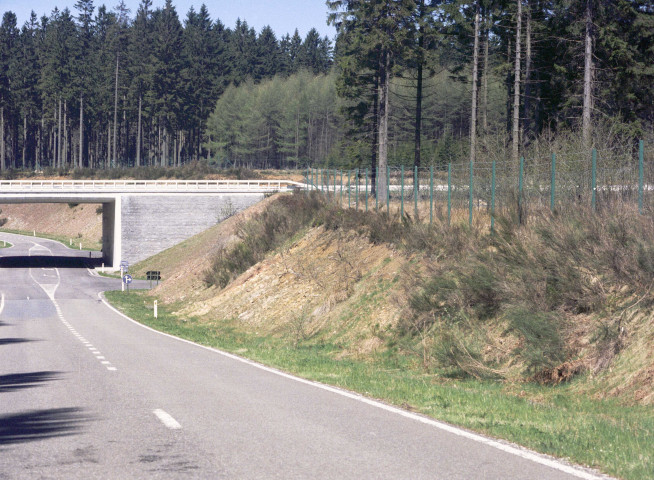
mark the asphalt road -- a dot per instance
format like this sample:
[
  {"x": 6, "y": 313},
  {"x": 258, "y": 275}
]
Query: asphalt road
[{"x": 87, "y": 393}]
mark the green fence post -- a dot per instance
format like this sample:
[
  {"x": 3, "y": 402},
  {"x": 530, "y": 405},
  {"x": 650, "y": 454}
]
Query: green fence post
[
  {"x": 415, "y": 191},
  {"x": 553, "y": 182},
  {"x": 593, "y": 185},
  {"x": 431, "y": 194},
  {"x": 641, "y": 174},
  {"x": 520, "y": 176},
  {"x": 377, "y": 190},
  {"x": 402, "y": 193},
  {"x": 349, "y": 189},
  {"x": 341, "y": 172},
  {"x": 449, "y": 193},
  {"x": 356, "y": 176},
  {"x": 493, "y": 198},
  {"x": 366, "y": 189},
  {"x": 470, "y": 195},
  {"x": 388, "y": 189}
]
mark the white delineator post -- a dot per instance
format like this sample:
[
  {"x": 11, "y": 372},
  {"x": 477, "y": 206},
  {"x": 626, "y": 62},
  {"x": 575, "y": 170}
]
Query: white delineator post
[{"x": 155, "y": 309}]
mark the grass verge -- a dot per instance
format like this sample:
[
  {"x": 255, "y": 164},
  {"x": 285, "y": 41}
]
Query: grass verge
[
  {"x": 94, "y": 246},
  {"x": 616, "y": 439}
]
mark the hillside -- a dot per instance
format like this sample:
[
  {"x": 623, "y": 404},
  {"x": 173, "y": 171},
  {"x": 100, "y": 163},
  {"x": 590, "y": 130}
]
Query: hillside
[
  {"x": 330, "y": 283},
  {"x": 76, "y": 222}
]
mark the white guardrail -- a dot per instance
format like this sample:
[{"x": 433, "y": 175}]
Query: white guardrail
[{"x": 147, "y": 186}]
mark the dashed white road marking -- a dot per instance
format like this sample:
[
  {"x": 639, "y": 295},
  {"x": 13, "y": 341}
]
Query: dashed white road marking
[
  {"x": 2, "y": 302},
  {"x": 166, "y": 419},
  {"x": 50, "y": 289}
]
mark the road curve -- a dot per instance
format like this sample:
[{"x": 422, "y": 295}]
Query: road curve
[{"x": 87, "y": 393}]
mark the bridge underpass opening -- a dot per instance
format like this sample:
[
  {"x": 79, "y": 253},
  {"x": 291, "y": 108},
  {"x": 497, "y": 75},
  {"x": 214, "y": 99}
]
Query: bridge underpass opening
[{"x": 42, "y": 210}]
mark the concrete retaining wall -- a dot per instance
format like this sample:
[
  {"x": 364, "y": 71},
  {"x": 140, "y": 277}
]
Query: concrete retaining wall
[{"x": 152, "y": 223}]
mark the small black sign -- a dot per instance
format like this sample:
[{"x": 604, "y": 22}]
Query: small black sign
[{"x": 153, "y": 275}]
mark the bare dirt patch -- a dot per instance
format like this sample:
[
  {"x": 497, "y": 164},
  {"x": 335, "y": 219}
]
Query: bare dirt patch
[{"x": 81, "y": 223}]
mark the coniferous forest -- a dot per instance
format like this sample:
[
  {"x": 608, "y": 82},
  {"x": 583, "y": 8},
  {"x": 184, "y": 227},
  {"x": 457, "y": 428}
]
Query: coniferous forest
[{"x": 415, "y": 82}]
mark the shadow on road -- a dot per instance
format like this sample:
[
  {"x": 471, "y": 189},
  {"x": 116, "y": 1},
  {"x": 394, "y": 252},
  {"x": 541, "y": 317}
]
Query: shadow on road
[
  {"x": 18, "y": 381},
  {"x": 11, "y": 341},
  {"x": 41, "y": 424},
  {"x": 46, "y": 261}
]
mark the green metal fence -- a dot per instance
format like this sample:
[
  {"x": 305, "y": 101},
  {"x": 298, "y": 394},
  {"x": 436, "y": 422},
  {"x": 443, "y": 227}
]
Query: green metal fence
[{"x": 597, "y": 179}]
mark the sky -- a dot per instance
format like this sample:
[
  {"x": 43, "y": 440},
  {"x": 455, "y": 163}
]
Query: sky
[{"x": 284, "y": 16}]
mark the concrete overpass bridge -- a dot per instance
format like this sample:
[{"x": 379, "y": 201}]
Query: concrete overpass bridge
[{"x": 143, "y": 217}]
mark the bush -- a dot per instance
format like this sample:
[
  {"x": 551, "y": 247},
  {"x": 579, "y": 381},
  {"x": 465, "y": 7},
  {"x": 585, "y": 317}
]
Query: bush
[
  {"x": 541, "y": 347},
  {"x": 282, "y": 220}
]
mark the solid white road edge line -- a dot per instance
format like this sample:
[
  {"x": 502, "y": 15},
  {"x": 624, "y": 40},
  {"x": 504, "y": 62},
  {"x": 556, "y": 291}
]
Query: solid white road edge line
[
  {"x": 166, "y": 419},
  {"x": 507, "y": 447}
]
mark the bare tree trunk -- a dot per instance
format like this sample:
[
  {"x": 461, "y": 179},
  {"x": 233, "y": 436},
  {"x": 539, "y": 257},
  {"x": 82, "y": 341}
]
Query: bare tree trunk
[
  {"x": 39, "y": 144},
  {"x": 159, "y": 142},
  {"x": 297, "y": 137},
  {"x": 526, "y": 120},
  {"x": 138, "y": 137},
  {"x": 384, "y": 80},
  {"x": 108, "y": 144},
  {"x": 3, "y": 160},
  {"x": 375, "y": 136},
  {"x": 65, "y": 139},
  {"x": 484, "y": 85},
  {"x": 508, "y": 87},
  {"x": 418, "y": 121},
  {"x": 180, "y": 142},
  {"x": 588, "y": 78},
  {"x": 81, "y": 130},
  {"x": 516, "y": 88},
  {"x": 24, "y": 140},
  {"x": 58, "y": 157},
  {"x": 115, "y": 112},
  {"x": 475, "y": 73}
]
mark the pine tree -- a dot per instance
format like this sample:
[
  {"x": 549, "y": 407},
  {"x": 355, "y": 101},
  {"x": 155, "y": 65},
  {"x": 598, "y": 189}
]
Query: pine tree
[{"x": 377, "y": 35}]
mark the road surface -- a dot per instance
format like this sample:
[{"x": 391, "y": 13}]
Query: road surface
[{"x": 87, "y": 393}]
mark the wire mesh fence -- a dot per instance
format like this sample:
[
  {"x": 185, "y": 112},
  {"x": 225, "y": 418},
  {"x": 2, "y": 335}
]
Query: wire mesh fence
[{"x": 481, "y": 191}]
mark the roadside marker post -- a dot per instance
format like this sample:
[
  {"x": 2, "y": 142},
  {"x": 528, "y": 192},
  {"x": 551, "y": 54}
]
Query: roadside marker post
[{"x": 155, "y": 310}]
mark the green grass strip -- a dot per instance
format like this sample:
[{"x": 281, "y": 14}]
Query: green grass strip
[{"x": 616, "y": 439}]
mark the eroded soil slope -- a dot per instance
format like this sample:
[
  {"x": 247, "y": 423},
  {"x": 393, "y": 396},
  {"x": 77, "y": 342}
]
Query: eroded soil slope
[{"x": 81, "y": 223}]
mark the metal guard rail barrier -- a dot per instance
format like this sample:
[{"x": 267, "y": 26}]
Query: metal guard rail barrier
[{"x": 129, "y": 186}]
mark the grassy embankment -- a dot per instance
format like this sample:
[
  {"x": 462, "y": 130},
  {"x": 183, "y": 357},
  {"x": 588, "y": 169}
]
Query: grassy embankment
[{"x": 540, "y": 335}]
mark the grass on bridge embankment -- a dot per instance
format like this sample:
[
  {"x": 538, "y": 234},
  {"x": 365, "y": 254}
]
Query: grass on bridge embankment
[
  {"x": 540, "y": 335},
  {"x": 604, "y": 434}
]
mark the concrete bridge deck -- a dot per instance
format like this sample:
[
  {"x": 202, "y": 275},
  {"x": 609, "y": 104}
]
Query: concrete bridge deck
[{"x": 143, "y": 217}]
